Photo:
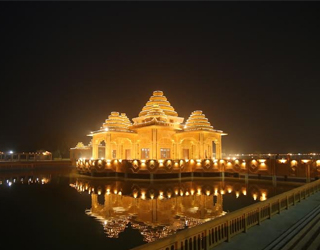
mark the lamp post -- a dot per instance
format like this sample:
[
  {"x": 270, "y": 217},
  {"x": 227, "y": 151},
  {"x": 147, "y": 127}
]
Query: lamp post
[
  {"x": 306, "y": 162},
  {"x": 11, "y": 153}
]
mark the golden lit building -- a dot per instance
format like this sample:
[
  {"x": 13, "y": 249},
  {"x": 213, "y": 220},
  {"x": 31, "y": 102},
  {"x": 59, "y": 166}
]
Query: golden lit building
[{"x": 157, "y": 133}]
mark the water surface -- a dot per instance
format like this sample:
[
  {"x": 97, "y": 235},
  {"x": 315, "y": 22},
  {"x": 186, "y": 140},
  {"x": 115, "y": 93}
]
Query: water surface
[{"x": 59, "y": 209}]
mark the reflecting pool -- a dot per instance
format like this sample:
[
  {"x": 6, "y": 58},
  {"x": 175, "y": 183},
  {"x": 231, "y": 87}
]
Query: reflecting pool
[{"x": 59, "y": 209}]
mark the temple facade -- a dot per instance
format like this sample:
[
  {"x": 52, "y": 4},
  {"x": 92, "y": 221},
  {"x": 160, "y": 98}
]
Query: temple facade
[{"x": 157, "y": 133}]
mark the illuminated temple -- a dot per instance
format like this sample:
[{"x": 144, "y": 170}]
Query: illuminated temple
[{"x": 157, "y": 133}]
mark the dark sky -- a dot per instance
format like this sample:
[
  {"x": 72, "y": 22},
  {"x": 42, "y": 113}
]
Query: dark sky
[{"x": 252, "y": 67}]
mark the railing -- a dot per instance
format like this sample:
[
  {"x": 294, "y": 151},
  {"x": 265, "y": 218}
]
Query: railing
[
  {"x": 255, "y": 167},
  {"x": 212, "y": 233}
]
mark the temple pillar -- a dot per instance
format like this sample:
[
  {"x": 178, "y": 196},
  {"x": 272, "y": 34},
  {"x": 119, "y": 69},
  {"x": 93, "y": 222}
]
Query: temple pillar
[
  {"x": 95, "y": 150},
  {"x": 201, "y": 147},
  {"x": 174, "y": 150},
  {"x": 178, "y": 151},
  {"x": 218, "y": 150},
  {"x": 196, "y": 151},
  {"x": 134, "y": 150},
  {"x": 118, "y": 152},
  {"x": 107, "y": 149},
  {"x": 154, "y": 144},
  {"x": 178, "y": 146},
  {"x": 138, "y": 155}
]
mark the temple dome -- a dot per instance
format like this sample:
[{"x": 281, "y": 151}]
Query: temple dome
[
  {"x": 80, "y": 145},
  {"x": 157, "y": 113},
  {"x": 197, "y": 121},
  {"x": 158, "y": 99},
  {"x": 117, "y": 122},
  {"x": 126, "y": 120}
]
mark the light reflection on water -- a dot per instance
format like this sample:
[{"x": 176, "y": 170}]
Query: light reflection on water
[
  {"x": 101, "y": 212},
  {"x": 154, "y": 218},
  {"x": 159, "y": 209}
]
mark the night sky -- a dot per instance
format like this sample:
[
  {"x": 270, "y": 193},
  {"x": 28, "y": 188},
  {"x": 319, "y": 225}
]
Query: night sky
[{"x": 252, "y": 67}]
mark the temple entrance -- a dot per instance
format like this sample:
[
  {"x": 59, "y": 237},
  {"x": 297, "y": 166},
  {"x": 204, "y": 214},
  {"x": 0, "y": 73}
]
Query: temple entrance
[
  {"x": 189, "y": 149},
  {"x": 214, "y": 150},
  {"x": 101, "y": 149},
  {"x": 128, "y": 154},
  {"x": 185, "y": 153}
]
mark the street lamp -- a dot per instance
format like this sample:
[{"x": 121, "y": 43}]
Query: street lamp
[{"x": 11, "y": 153}]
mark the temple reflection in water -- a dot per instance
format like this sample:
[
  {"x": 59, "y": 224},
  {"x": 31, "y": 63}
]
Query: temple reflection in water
[
  {"x": 159, "y": 210},
  {"x": 155, "y": 218},
  {"x": 109, "y": 212}
]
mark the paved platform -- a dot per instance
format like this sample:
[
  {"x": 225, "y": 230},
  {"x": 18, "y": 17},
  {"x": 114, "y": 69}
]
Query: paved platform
[{"x": 273, "y": 233}]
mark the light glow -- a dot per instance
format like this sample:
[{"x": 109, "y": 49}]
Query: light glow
[{"x": 283, "y": 160}]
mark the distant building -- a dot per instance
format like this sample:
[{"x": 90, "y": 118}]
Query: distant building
[
  {"x": 157, "y": 133},
  {"x": 80, "y": 151},
  {"x": 39, "y": 155}
]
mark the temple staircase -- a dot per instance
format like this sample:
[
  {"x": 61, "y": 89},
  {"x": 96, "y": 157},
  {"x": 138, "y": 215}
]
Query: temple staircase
[{"x": 303, "y": 235}]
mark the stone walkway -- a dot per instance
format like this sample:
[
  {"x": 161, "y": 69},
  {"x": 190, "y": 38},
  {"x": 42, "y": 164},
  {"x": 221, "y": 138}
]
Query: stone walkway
[{"x": 271, "y": 232}]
